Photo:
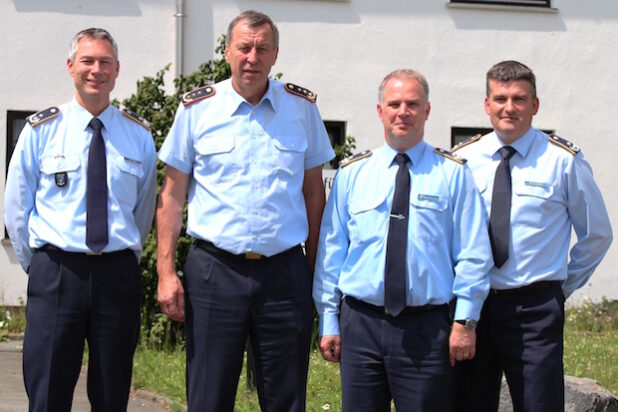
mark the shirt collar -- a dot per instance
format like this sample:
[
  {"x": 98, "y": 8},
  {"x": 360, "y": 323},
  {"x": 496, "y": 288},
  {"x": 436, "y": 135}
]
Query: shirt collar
[
  {"x": 522, "y": 144},
  {"x": 235, "y": 103},
  {"x": 84, "y": 116},
  {"x": 415, "y": 153}
]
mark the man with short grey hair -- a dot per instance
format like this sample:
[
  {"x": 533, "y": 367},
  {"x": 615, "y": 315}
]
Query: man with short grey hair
[
  {"x": 79, "y": 202},
  {"x": 403, "y": 233},
  {"x": 248, "y": 152}
]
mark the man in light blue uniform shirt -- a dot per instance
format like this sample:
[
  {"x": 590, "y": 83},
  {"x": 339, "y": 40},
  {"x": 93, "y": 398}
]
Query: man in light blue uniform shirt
[
  {"x": 248, "y": 152},
  {"x": 552, "y": 192},
  {"x": 408, "y": 356},
  {"x": 79, "y": 290}
]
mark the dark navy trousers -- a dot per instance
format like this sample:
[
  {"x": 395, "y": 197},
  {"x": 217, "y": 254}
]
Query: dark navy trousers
[
  {"x": 405, "y": 358},
  {"x": 72, "y": 298},
  {"x": 520, "y": 334},
  {"x": 228, "y": 298}
]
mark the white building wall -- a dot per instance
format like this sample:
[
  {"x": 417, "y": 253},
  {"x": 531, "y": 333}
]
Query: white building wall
[{"x": 341, "y": 50}]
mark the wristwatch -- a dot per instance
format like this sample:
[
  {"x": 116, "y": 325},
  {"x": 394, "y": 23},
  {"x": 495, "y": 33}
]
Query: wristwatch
[{"x": 469, "y": 324}]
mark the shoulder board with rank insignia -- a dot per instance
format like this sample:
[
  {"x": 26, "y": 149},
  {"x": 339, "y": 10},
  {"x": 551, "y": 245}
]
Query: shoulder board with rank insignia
[
  {"x": 43, "y": 116},
  {"x": 302, "y": 92},
  {"x": 136, "y": 118},
  {"x": 198, "y": 94},
  {"x": 449, "y": 155},
  {"x": 564, "y": 143},
  {"x": 466, "y": 142},
  {"x": 354, "y": 158}
]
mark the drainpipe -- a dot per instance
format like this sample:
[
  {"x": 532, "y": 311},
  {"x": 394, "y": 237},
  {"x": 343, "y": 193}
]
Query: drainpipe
[{"x": 180, "y": 15}]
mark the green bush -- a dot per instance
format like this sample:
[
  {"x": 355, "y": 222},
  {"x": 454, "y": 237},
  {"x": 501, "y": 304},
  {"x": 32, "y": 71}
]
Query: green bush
[{"x": 151, "y": 102}]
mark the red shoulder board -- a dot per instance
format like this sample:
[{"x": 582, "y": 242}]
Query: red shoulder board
[{"x": 196, "y": 95}]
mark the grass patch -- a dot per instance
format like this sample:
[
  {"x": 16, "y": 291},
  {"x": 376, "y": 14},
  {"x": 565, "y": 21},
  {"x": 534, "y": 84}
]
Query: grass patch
[
  {"x": 164, "y": 373},
  {"x": 12, "y": 321},
  {"x": 591, "y": 342}
]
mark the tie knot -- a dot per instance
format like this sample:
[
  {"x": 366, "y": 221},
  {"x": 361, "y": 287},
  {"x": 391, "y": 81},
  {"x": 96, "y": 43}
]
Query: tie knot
[
  {"x": 402, "y": 159},
  {"x": 96, "y": 124},
  {"x": 507, "y": 152}
]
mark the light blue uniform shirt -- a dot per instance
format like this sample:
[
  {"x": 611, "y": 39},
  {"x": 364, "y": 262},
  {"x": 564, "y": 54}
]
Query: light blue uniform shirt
[
  {"x": 552, "y": 190},
  {"x": 448, "y": 246},
  {"x": 37, "y": 211},
  {"x": 247, "y": 167}
]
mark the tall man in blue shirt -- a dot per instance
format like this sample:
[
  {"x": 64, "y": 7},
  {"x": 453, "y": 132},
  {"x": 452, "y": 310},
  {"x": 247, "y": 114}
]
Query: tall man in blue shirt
[
  {"x": 248, "y": 152},
  {"x": 398, "y": 263},
  {"x": 536, "y": 188},
  {"x": 79, "y": 202}
]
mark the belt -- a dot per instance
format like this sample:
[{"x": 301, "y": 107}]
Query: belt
[
  {"x": 211, "y": 248},
  {"x": 51, "y": 248},
  {"x": 407, "y": 310},
  {"x": 545, "y": 284}
]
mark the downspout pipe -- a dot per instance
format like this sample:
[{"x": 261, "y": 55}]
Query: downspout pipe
[{"x": 180, "y": 15}]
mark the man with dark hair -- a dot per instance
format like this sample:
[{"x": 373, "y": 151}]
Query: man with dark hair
[
  {"x": 79, "y": 202},
  {"x": 248, "y": 151},
  {"x": 404, "y": 231},
  {"x": 536, "y": 188}
]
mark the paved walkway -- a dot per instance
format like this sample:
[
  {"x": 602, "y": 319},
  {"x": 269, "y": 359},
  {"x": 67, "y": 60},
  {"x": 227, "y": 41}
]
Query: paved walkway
[{"x": 13, "y": 395}]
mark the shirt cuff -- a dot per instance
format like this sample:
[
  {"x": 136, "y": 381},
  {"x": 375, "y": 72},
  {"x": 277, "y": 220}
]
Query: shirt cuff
[
  {"x": 468, "y": 309},
  {"x": 328, "y": 324}
]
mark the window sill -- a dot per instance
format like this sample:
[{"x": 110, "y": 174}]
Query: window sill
[{"x": 499, "y": 7}]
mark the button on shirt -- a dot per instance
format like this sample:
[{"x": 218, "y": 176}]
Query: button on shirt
[
  {"x": 247, "y": 165},
  {"x": 551, "y": 190},
  {"x": 448, "y": 246},
  {"x": 39, "y": 211}
]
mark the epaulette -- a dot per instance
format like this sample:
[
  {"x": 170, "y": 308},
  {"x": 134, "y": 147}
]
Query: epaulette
[
  {"x": 466, "y": 142},
  {"x": 43, "y": 116},
  {"x": 449, "y": 155},
  {"x": 136, "y": 118},
  {"x": 302, "y": 92},
  {"x": 564, "y": 143},
  {"x": 198, "y": 94},
  {"x": 354, "y": 158}
]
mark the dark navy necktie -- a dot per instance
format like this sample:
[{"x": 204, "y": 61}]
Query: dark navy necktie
[
  {"x": 96, "y": 190},
  {"x": 500, "y": 214},
  {"x": 396, "y": 245}
]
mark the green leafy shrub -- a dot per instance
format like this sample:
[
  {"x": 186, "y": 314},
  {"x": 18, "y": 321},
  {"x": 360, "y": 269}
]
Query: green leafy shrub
[{"x": 151, "y": 102}]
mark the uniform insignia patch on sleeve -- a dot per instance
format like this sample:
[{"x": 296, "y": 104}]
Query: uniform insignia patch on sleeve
[
  {"x": 466, "y": 142},
  {"x": 43, "y": 116},
  {"x": 564, "y": 143},
  {"x": 136, "y": 118},
  {"x": 302, "y": 92},
  {"x": 356, "y": 157},
  {"x": 198, "y": 94},
  {"x": 449, "y": 155}
]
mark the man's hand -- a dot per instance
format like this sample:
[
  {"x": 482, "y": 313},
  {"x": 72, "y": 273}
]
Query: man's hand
[
  {"x": 171, "y": 297},
  {"x": 330, "y": 346},
  {"x": 462, "y": 343}
]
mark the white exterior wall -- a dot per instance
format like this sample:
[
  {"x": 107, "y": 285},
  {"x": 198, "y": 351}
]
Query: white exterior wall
[{"x": 342, "y": 49}]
